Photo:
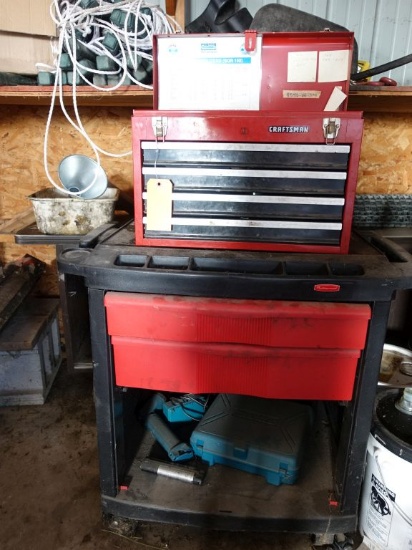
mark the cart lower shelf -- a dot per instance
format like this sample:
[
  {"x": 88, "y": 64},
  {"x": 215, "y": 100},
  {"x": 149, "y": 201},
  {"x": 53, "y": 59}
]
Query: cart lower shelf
[{"x": 230, "y": 499}]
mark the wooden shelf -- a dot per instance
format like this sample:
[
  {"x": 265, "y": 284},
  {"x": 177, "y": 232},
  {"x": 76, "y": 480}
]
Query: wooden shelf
[
  {"x": 370, "y": 99},
  {"x": 125, "y": 96},
  {"x": 8, "y": 227},
  {"x": 376, "y": 99},
  {"x": 381, "y": 99}
]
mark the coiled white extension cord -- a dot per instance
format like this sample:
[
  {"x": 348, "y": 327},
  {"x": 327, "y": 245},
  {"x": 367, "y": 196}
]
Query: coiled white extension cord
[{"x": 73, "y": 21}]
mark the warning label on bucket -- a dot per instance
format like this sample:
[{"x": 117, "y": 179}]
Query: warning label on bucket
[{"x": 379, "y": 516}]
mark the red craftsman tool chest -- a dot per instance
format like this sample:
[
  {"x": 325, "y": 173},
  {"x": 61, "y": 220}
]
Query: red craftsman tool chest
[{"x": 261, "y": 180}]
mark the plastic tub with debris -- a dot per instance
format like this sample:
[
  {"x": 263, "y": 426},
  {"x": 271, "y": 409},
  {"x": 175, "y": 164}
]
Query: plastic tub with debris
[{"x": 57, "y": 213}]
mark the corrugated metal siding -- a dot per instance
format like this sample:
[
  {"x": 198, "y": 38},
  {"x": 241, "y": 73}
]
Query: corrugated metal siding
[{"x": 382, "y": 28}]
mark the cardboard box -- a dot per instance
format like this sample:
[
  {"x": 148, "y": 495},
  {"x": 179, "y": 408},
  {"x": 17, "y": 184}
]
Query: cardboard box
[
  {"x": 19, "y": 53},
  {"x": 27, "y": 17},
  {"x": 26, "y": 31}
]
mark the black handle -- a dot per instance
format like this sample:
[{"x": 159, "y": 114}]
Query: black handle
[
  {"x": 393, "y": 251},
  {"x": 94, "y": 236}
]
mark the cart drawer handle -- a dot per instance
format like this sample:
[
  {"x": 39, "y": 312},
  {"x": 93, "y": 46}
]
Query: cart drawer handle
[{"x": 329, "y": 287}]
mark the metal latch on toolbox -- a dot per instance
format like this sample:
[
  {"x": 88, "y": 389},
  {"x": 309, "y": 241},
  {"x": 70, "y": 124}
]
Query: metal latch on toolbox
[
  {"x": 331, "y": 128},
  {"x": 250, "y": 40},
  {"x": 159, "y": 125}
]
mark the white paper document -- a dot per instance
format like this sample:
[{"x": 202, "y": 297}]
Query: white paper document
[
  {"x": 337, "y": 97},
  {"x": 333, "y": 66},
  {"x": 206, "y": 73},
  {"x": 302, "y": 66},
  {"x": 318, "y": 66}
]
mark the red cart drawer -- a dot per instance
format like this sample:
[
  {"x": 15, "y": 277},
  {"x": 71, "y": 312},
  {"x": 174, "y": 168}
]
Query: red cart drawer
[
  {"x": 259, "y": 322},
  {"x": 249, "y": 370},
  {"x": 278, "y": 349}
]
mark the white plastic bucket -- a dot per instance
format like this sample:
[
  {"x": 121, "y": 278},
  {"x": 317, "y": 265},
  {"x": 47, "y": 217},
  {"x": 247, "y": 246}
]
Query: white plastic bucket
[{"x": 386, "y": 502}]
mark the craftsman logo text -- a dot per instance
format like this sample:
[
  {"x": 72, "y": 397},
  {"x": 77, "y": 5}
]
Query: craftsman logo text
[{"x": 289, "y": 129}]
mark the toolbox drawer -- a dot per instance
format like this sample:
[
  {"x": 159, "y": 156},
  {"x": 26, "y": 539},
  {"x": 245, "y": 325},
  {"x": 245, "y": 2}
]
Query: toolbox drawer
[{"x": 278, "y": 349}]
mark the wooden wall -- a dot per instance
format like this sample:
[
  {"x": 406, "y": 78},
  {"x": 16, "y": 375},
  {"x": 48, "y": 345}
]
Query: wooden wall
[
  {"x": 386, "y": 159},
  {"x": 22, "y": 130},
  {"x": 385, "y": 165}
]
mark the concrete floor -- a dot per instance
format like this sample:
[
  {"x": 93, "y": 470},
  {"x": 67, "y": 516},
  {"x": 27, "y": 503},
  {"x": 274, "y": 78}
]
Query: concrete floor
[{"x": 49, "y": 484}]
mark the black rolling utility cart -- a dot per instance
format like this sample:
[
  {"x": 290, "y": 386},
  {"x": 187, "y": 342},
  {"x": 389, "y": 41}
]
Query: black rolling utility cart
[{"x": 300, "y": 333}]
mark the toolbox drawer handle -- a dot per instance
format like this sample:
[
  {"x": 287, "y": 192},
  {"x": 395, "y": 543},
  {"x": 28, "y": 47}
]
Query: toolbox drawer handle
[{"x": 326, "y": 287}]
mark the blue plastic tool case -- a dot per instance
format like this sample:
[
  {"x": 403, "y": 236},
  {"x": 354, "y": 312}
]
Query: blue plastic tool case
[{"x": 261, "y": 436}]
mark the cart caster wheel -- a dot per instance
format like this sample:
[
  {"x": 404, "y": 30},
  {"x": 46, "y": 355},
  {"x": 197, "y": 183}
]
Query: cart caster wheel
[
  {"x": 333, "y": 542},
  {"x": 341, "y": 542},
  {"x": 323, "y": 539},
  {"x": 120, "y": 526}
]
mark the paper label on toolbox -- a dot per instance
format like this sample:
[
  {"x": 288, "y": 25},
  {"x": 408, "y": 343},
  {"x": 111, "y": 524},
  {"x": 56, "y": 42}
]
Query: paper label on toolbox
[
  {"x": 206, "y": 73},
  {"x": 301, "y": 94},
  {"x": 314, "y": 66},
  {"x": 337, "y": 97},
  {"x": 302, "y": 66},
  {"x": 333, "y": 66},
  {"x": 159, "y": 205}
]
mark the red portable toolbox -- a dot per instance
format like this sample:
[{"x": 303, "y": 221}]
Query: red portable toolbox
[
  {"x": 286, "y": 71},
  {"x": 266, "y": 348},
  {"x": 246, "y": 180}
]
